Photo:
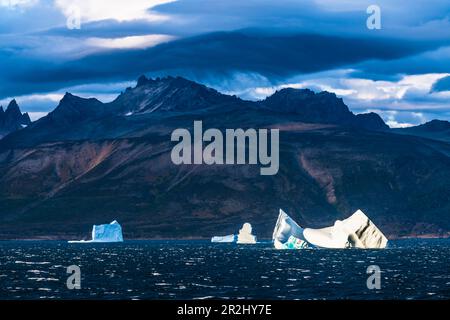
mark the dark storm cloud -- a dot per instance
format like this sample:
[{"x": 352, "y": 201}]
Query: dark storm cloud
[
  {"x": 283, "y": 42},
  {"x": 273, "y": 55},
  {"x": 117, "y": 29},
  {"x": 435, "y": 60},
  {"x": 420, "y": 19}
]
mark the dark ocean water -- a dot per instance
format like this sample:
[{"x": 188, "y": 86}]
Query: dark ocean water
[{"x": 410, "y": 269}]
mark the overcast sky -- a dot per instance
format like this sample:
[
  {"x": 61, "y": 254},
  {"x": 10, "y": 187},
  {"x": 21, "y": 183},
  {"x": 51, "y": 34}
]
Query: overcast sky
[{"x": 250, "y": 48}]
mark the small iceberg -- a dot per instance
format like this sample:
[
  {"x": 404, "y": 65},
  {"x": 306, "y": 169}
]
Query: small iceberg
[
  {"x": 245, "y": 236},
  {"x": 357, "y": 231},
  {"x": 224, "y": 239},
  {"x": 105, "y": 233}
]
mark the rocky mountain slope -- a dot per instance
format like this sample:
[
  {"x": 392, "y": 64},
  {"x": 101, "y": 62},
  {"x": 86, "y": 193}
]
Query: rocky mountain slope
[{"x": 88, "y": 162}]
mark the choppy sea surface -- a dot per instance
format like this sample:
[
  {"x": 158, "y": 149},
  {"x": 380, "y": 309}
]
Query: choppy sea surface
[{"x": 410, "y": 269}]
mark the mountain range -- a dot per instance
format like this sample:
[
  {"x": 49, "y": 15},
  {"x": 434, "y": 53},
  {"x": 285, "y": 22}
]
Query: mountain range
[{"x": 89, "y": 162}]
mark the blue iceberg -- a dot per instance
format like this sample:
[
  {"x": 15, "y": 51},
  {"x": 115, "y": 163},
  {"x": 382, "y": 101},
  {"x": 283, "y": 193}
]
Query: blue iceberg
[
  {"x": 287, "y": 234},
  {"x": 105, "y": 233},
  {"x": 224, "y": 239}
]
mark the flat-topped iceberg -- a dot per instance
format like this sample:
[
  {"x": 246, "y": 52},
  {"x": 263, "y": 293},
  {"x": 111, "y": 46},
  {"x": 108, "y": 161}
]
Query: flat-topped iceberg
[
  {"x": 357, "y": 231},
  {"x": 105, "y": 233},
  {"x": 224, "y": 239},
  {"x": 245, "y": 236}
]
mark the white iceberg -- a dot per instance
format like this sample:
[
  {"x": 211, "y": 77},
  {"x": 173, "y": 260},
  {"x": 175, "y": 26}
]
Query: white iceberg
[
  {"x": 288, "y": 234},
  {"x": 224, "y": 239},
  {"x": 357, "y": 231},
  {"x": 105, "y": 233},
  {"x": 245, "y": 235}
]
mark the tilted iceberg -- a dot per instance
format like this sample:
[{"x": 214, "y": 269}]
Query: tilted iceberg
[
  {"x": 105, "y": 233},
  {"x": 288, "y": 234},
  {"x": 357, "y": 231}
]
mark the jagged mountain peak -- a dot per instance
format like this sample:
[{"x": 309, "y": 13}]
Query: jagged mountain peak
[
  {"x": 301, "y": 93},
  {"x": 172, "y": 82},
  {"x": 26, "y": 118},
  {"x": 71, "y": 103},
  {"x": 69, "y": 98},
  {"x": 68, "y": 95},
  {"x": 169, "y": 94},
  {"x": 142, "y": 81},
  {"x": 321, "y": 107},
  {"x": 13, "y": 110},
  {"x": 13, "y": 113},
  {"x": 74, "y": 108},
  {"x": 298, "y": 91},
  {"x": 294, "y": 99},
  {"x": 12, "y": 119},
  {"x": 12, "y": 105}
]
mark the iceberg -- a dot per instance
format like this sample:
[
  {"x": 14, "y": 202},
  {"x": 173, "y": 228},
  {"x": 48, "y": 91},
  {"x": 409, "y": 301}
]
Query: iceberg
[
  {"x": 224, "y": 239},
  {"x": 288, "y": 234},
  {"x": 105, "y": 233},
  {"x": 357, "y": 231},
  {"x": 245, "y": 235}
]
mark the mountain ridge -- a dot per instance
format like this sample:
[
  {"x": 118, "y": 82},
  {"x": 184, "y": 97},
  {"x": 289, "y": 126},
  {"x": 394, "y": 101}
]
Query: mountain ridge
[
  {"x": 434, "y": 129},
  {"x": 180, "y": 95},
  {"x": 72, "y": 169},
  {"x": 321, "y": 107}
]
